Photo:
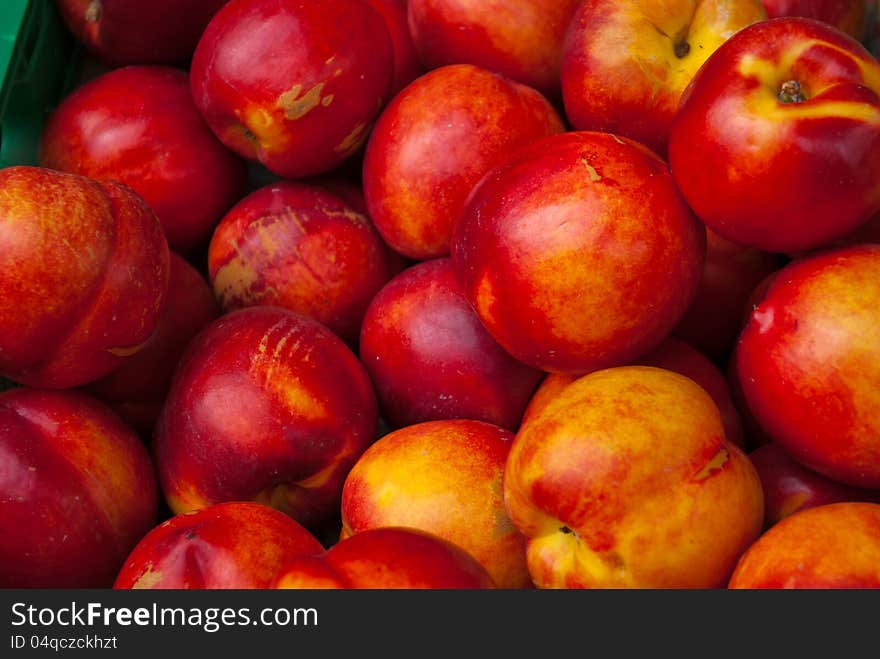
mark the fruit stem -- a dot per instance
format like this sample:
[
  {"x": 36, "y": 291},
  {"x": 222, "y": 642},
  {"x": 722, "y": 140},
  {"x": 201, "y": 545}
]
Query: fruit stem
[
  {"x": 791, "y": 92},
  {"x": 682, "y": 48}
]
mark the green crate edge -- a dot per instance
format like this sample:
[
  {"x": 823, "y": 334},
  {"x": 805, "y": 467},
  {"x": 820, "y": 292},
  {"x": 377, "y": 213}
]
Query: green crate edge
[{"x": 38, "y": 62}]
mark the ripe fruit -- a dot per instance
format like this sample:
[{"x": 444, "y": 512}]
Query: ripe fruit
[
  {"x": 834, "y": 546},
  {"x": 521, "y": 39},
  {"x": 138, "y": 126},
  {"x": 266, "y": 405},
  {"x": 672, "y": 355},
  {"x": 301, "y": 248},
  {"x": 809, "y": 363},
  {"x": 77, "y": 491},
  {"x": 433, "y": 143},
  {"x": 578, "y": 253},
  {"x": 83, "y": 276},
  {"x": 231, "y": 545},
  {"x": 776, "y": 144},
  {"x": 442, "y": 477},
  {"x": 626, "y": 64},
  {"x": 430, "y": 357},
  {"x": 294, "y": 85},
  {"x": 625, "y": 479}
]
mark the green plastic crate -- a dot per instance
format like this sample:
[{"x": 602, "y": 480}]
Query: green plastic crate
[{"x": 38, "y": 61}]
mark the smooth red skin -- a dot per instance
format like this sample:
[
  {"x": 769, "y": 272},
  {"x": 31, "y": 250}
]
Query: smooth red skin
[
  {"x": 789, "y": 487},
  {"x": 430, "y": 358},
  {"x": 234, "y": 545},
  {"x": 85, "y": 274},
  {"x": 301, "y": 248},
  {"x": 846, "y": 15},
  {"x": 830, "y": 547},
  {"x": 541, "y": 203},
  {"x": 138, "y": 126},
  {"x": 347, "y": 36},
  {"x": 407, "y": 66},
  {"x": 807, "y": 186},
  {"x": 435, "y": 141},
  {"x": 241, "y": 420},
  {"x": 521, "y": 39},
  {"x": 796, "y": 364},
  {"x": 77, "y": 491},
  {"x": 140, "y": 31},
  {"x": 137, "y": 389},
  {"x": 388, "y": 558},
  {"x": 731, "y": 272}
]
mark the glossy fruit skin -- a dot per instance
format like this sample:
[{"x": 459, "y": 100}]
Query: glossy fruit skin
[
  {"x": 625, "y": 480},
  {"x": 138, "y": 125},
  {"x": 388, "y": 559},
  {"x": 520, "y": 39},
  {"x": 731, "y": 272},
  {"x": 137, "y": 389},
  {"x": 430, "y": 358},
  {"x": 235, "y": 545},
  {"x": 781, "y": 176},
  {"x": 444, "y": 478},
  {"x": 84, "y": 276},
  {"x": 314, "y": 107},
  {"x": 626, "y": 64},
  {"x": 559, "y": 275},
  {"x": 301, "y": 248},
  {"x": 808, "y": 363},
  {"x": 846, "y": 15},
  {"x": 790, "y": 487},
  {"x": 77, "y": 490},
  {"x": 266, "y": 405},
  {"x": 123, "y": 32},
  {"x": 407, "y": 66},
  {"x": 834, "y": 546},
  {"x": 435, "y": 141}
]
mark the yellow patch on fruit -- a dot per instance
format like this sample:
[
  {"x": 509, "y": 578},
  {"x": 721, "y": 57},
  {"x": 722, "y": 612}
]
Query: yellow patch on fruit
[
  {"x": 296, "y": 103},
  {"x": 714, "y": 465},
  {"x": 150, "y": 579},
  {"x": 352, "y": 140}
]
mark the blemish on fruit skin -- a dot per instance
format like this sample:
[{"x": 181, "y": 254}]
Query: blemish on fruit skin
[
  {"x": 351, "y": 140},
  {"x": 297, "y": 104},
  {"x": 594, "y": 175},
  {"x": 714, "y": 465}
]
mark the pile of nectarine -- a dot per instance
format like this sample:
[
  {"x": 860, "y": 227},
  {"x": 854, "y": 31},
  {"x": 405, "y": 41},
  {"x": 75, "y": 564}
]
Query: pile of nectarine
[{"x": 448, "y": 294}]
